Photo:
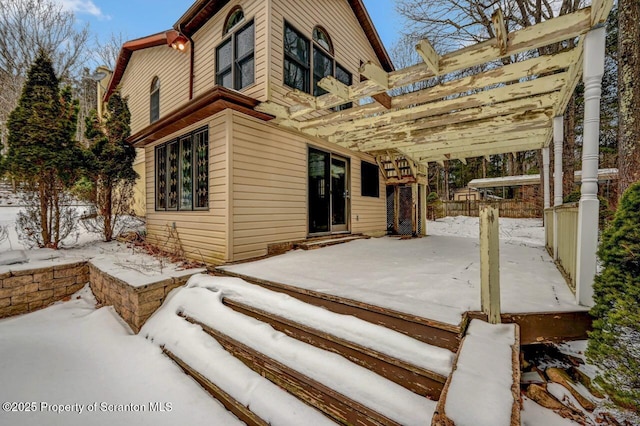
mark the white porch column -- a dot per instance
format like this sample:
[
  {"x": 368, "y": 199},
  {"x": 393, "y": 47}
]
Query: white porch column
[
  {"x": 558, "y": 138},
  {"x": 588, "y": 212},
  {"x": 545, "y": 177}
]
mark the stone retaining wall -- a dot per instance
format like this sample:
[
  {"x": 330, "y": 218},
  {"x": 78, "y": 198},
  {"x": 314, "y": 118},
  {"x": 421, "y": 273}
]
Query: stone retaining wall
[
  {"x": 134, "y": 304},
  {"x": 23, "y": 291}
]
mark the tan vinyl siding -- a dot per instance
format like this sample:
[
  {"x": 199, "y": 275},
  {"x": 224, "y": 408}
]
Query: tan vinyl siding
[
  {"x": 336, "y": 16},
  {"x": 270, "y": 187},
  {"x": 171, "y": 67},
  {"x": 368, "y": 214},
  {"x": 203, "y": 234},
  {"x": 209, "y": 37}
]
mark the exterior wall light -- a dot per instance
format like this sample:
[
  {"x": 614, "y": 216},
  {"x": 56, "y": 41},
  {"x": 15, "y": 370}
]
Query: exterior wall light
[{"x": 177, "y": 41}]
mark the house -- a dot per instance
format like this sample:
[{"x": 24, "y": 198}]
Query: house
[
  {"x": 528, "y": 186},
  {"x": 221, "y": 179},
  {"x": 263, "y": 122},
  {"x": 466, "y": 193}
]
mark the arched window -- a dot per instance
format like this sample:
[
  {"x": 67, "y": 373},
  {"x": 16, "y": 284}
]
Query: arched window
[
  {"x": 154, "y": 98},
  {"x": 321, "y": 38},
  {"x": 235, "y": 63},
  {"x": 235, "y": 17}
]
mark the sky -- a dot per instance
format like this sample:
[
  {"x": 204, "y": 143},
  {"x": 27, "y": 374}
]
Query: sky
[{"x": 139, "y": 18}]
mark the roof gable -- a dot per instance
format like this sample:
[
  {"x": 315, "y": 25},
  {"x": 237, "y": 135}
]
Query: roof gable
[{"x": 202, "y": 10}]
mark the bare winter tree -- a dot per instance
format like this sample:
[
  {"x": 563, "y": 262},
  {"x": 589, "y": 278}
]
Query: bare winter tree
[
  {"x": 629, "y": 92},
  {"x": 107, "y": 51},
  {"x": 453, "y": 24},
  {"x": 27, "y": 26}
]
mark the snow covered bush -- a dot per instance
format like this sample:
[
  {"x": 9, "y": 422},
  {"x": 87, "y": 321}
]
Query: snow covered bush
[
  {"x": 614, "y": 344},
  {"x": 4, "y": 234}
]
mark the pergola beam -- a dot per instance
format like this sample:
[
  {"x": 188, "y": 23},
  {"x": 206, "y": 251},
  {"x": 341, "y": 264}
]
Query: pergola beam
[
  {"x": 529, "y": 38},
  {"x": 375, "y": 73},
  {"x": 335, "y": 86},
  {"x": 429, "y": 56},
  {"x": 500, "y": 30},
  {"x": 453, "y": 138},
  {"x": 525, "y": 89},
  {"x": 504, "y": 113},
  {"x": 478, "y": 152},
  {"x": 540, "y": 65}
]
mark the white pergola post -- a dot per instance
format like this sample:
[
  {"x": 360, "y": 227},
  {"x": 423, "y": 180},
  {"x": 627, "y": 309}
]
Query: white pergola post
[
  {"x": 588, "y": 210},
  {"x": 558, "y": 137},
  {"x": 545, "y": 177}
]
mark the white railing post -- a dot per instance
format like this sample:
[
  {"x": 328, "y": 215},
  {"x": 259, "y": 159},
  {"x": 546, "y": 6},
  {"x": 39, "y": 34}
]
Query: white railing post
[
  {"x": 423, "y": 209},
  {"x": 588, "y": 209},
  {"x": 490, "y": 264},
  {"x": 558, "y": 136},
  {"x": 545, "y": 177}
]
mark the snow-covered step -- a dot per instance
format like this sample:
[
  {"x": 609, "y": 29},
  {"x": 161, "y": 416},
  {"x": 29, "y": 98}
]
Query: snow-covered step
[
  {"x": 315, "y": 243},
  {"x": 230, "y": 403},
  {"x": 381, "y": 401},
  {"x": 334, "y": 404},
  {"x": 484, "y": 388},
  {"x": 345, "y": 327},
  {"x": 417, "y": 379},
  {"x": 424, "y": 329},
  {"x": 248, "y": 395}
]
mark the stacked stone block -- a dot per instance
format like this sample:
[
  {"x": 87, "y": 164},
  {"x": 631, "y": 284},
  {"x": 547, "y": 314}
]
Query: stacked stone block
[
  {"x": 134, "y": 304},
  {"x": 26, "y": 290}
]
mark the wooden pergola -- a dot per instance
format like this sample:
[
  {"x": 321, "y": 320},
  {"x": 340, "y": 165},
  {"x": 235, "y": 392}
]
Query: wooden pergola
[
  {"x": 483, "y": 105},
  {"x": 503, "y": 109}
]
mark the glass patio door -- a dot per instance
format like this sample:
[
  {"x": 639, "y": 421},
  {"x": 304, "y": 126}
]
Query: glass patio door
[
  {"x": 339, "y": 195},
  {"x": 328, "y": 193}
]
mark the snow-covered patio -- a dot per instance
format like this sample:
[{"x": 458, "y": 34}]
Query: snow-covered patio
[{"x": 436, "y": 277}]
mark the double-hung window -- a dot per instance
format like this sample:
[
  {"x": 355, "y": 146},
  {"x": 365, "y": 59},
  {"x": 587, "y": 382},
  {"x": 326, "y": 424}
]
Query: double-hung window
[
  {"x": 296, "y": 59},
  {"x": 182, "y": 172},
  {"x": 307, "y": 62},
  {"x": 235, "y": 57}
]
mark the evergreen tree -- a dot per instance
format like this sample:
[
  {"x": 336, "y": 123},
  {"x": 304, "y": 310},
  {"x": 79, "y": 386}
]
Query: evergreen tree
[
  {"x": 614, "y": 344},
  {"x": 110, "y": 166},
  {"x": 43, "y": 154}
]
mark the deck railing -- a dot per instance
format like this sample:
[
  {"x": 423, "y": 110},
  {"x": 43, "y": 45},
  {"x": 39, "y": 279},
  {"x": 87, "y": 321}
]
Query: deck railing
[
  {"x": 567, "y": 238},
  {"x": 548, "y": 230}
]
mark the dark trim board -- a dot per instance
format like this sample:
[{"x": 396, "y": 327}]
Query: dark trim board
[{"x": 545, "y": 327}]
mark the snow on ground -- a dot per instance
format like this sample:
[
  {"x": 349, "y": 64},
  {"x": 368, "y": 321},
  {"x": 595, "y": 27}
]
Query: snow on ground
[
  {"x": 202, "y": 300},
  {"x": 73, "y": 357},
  {"x": 533, "y": 414},
  {"x": 128, "y": 263},
  {"x": 437, "y": 277}
]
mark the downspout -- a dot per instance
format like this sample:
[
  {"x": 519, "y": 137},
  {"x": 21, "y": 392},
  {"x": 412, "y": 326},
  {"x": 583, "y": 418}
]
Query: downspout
[{"x": 191, "y": 60}]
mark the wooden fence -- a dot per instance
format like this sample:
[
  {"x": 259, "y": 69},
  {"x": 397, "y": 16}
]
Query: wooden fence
[{"x": 506, "y": 208}]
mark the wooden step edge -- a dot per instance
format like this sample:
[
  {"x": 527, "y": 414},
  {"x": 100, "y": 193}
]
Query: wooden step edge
[
  {"x": 426, "y": 330},
  {"x": 333, "y": 404},
  {"x": 231, "y": 404},
  {"x": 416, "y": 379},
  {"x": 311, "y": 245}
]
